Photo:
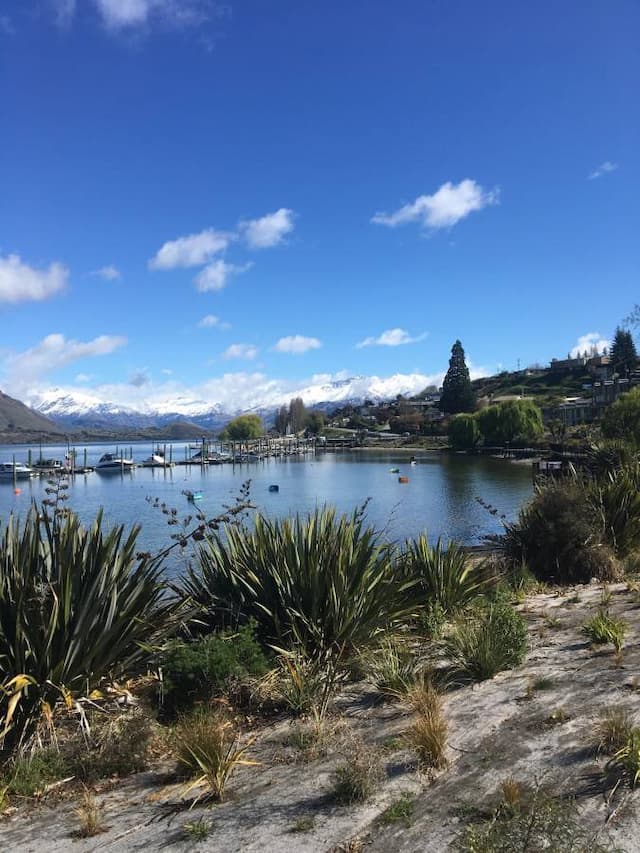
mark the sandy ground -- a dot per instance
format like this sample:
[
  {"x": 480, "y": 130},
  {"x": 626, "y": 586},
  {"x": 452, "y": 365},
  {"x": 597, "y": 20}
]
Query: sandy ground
[{"x": 498, "y": 729}]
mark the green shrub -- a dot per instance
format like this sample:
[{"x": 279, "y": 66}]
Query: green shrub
[
  {"x": 203, "y": 668},
  {"x": 513, "y": 420},
  {"x": 613, "y": 730},
  {"x": 391, "y": 667},
  {"x": 359, "y": 775},
  {"x": 443, "y": 576},
  {"x": 463, "y": 432},
  {"x": 119, "y": 746},
  {"x": 28, "y": 774},
  {"x": 555, "y": 534},
  {"x": 605, "y": 628},
  {"x": 615, "y": 500},
  {"x": 492, "y": 640}
]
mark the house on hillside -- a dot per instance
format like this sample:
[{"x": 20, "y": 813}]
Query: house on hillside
[{"x": 571, "y": 412}]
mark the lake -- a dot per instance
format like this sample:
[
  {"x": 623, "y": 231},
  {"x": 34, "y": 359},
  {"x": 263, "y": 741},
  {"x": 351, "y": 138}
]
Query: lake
[{"x": 440, "y": 497}]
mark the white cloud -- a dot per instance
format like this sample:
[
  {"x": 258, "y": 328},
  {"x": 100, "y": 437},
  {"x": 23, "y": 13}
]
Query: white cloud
[
  {"x": 447, "y": 206},
  {"x": 83, "y": 377},
  {"x": 127, "y": 14},
  {"x": 191, "y": 251},
  {"x": 210, "y": 321},
  {"x": 216, "y": 274},
  {"x": 592, "y": 342},
  {"x": 108, "y": 273},
  {"x": 297, "y": 344},
  {"x": 20, "y": 282},
  {"x": 245, "y": 351},
  {"x": 391, "y": 338},
  {"x": 269, "y": 230},
  {"x": 603, "y": 169},
  {"x": 53, "y": 352}
]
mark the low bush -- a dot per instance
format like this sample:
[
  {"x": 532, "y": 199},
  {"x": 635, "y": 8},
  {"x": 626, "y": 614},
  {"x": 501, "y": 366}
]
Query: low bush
[
  {"x": 559, "y": 536},
  {"x": 196, "y": 671},
  {"x": 530, "y": 821},
  {"x": 29, "y": 774},
  {"x": 119, "y": 745},
  {"x": 489, "y": 641}
]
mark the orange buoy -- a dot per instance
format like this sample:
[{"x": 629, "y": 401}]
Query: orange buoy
[
  {"x": 403, "y": 479},
  {"x": 17, "y": 491}
]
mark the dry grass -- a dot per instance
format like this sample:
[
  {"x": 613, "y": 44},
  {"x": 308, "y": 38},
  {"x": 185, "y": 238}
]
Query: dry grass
[
  {"x": 208, "y": 747},
  {"x": 359, "y": 775},
  {"x": 428, "y": 734},
  {"x": 613, "y": 730},
  {"x": 89, "y": 815}
]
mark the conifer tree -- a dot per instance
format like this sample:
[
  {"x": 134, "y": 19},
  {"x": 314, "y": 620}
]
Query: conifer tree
[
  {"x": 623, "y": 353},
  {"x": 457, "y": 393}
]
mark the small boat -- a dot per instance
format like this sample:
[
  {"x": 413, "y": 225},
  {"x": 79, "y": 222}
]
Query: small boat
[
  {"x": 156, "y": 460},
  {"x": 111, "y": 462},
  {"x": 403, "y": 479},
  {"x": 274, "y": 488},
  {"x": 19, "y": 471},
  {"x": 48, "y": 464},
  {"x": 395, "y": 470},
  {"x": 414, "y": 462},
  {"x": 192, "y": 497}
]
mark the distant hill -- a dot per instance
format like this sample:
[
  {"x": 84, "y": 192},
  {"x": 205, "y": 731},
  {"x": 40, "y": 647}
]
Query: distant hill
[{"x": 16, "y": 418}]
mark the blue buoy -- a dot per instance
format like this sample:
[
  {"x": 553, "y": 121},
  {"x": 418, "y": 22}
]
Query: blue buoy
[{"x": 274, "y": 488}]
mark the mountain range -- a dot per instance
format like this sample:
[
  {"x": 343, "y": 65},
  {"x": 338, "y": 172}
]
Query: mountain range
[{"x": 71, "y": 408}]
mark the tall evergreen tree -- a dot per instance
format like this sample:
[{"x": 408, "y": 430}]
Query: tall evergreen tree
[
  {"x": 623, "y": 353},
  {"x": 457, "y": 393}
]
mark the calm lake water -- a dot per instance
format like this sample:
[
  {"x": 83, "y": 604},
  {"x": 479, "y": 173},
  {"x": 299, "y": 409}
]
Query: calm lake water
[{"x": 439, "y": 499}]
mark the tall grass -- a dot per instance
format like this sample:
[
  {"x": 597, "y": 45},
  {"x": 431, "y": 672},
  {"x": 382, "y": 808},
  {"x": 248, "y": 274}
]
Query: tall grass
[{"x": 76, "y": 604}]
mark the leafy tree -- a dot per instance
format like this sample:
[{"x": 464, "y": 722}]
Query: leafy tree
[
  {"x": 622, "y": 418},
  {"x": 623, "y": 352},
  {"x": 515, "y": 419},
  {"x": 297, "y": 414},
  {"x": 315, "y": 422},
  {"x": 457, "y": 393},
  {"x": 281, "y": 420},
  {"x": 464, "y": 433},
  {"x": 243, "y": 428}
]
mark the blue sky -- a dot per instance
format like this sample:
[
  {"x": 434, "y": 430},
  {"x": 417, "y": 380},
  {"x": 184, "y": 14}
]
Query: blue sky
[{"x": 346, "y": 188}]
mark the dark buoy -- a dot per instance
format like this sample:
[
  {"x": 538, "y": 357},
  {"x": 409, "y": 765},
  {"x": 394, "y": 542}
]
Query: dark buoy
[{"x": 274, "y": 488}]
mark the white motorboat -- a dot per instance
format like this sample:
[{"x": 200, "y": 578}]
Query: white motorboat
[
  {"x": 112, "y": 462},
  {"x": 156, "y": 460},
  {"x": 19, "y": 471}
]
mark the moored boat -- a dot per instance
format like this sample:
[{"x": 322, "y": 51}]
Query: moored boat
[
  {"x": 15, "y": 471},
  {"x": 114, "y": 463}
]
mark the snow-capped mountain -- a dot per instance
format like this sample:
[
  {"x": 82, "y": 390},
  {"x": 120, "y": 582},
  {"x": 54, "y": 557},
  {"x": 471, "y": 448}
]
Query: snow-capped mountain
[{"x": 212, "y": 404}]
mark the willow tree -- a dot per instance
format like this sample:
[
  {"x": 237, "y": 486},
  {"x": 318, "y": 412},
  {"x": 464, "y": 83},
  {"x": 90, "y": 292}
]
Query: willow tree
[{"x": 457, "y": 393}]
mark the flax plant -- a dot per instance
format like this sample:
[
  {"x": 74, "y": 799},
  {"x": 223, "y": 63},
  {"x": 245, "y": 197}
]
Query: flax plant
[
  {"x": 322, "y": 585},
  {"x": 77, "y": 604},
  {"x": 444, "y": 575}
]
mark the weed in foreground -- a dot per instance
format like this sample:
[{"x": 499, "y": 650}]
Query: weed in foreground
[
  {"x": 605, "y": 628},
  {"x": 198, "y": 830},
  {"x": 399, "y": 811},
  {"x": 28, "y": 774},
  {"x": 359, "y": 775},
  {"x": 207, "y": 746},
  {"x": 613, "y": 730},
  {"x": 626, "y": 761},
  {"x": 304, "y": 824},
  {"x": 89, "y": 815}
]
